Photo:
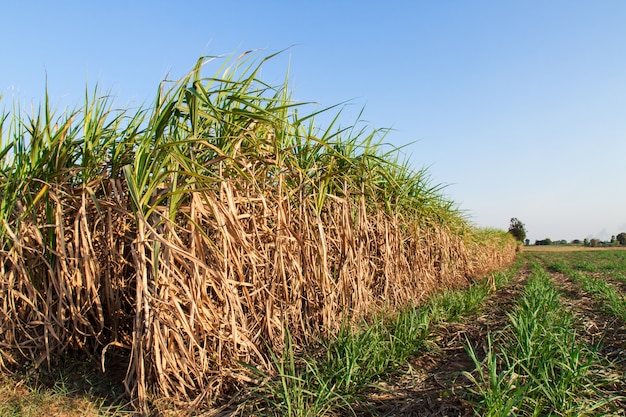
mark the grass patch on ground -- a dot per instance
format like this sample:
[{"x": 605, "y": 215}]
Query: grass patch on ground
[
  {"x": 580, "y": 271},
  {"x": 19, "y": 398},
  {"x": 536, "y": 365},
  {"x": 570, "y": 248},
  {"x": 68, "y": 388}
]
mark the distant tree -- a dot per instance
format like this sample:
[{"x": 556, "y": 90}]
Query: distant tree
[
  {"x": 576, "y": 242},
  {"x": 543, "y": 242},
  {"x": 613, "y": 239},
  {"x": 621, "y": 238},
  {"x": 527, "y": 242},
  {"x": 517, "y": 229},
  {"x": 594, "y": 243},
  {"x": 586, "y": 242}
]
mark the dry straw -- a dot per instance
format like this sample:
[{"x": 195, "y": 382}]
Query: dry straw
[{"x": 183, "y": 241}]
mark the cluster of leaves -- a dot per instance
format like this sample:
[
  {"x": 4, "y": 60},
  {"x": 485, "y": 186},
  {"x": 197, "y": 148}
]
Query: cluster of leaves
[{"x": 517, "y": 229}]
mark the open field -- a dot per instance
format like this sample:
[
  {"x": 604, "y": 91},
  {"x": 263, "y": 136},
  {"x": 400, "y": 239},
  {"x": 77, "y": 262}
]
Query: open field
[
  {"x": 568, "y": 248},
  {"x": 545, "y": 337}
]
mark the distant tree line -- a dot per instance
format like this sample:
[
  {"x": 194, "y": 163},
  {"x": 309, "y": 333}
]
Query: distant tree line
[
  {"x": 518, "y": 230},
  {"x": 616, "y": 240},
  {"x": 545, "y": 241}
]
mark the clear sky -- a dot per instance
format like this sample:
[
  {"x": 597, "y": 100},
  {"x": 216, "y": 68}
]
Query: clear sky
[{"x": 518, "y": 106}]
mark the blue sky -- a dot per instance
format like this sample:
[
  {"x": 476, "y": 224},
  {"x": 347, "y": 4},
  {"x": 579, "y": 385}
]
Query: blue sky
[{"x": 518, "y": 106}]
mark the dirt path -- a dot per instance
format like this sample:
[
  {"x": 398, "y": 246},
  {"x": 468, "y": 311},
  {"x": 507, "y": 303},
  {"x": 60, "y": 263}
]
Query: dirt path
[{"x": 433, "y": 384}]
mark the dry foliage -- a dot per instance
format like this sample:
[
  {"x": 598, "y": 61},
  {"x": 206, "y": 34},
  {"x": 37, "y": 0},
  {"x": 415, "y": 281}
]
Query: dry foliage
[
  {"x": 212, "y": 244},
  {"x": 186, "y": 300}
]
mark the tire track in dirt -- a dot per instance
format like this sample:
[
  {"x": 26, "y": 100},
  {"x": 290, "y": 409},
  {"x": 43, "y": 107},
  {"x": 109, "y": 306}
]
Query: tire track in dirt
[{"x": 433, "y": 384}]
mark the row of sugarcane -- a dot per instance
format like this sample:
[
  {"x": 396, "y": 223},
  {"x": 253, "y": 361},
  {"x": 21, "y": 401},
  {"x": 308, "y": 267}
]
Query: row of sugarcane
[{"x": 182, "y": 240}]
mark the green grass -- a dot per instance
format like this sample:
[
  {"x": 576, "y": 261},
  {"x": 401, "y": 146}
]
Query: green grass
[
  {"x": 609, "y": 261},
  {"x": 59, "y": 398},
  {"x": 613, "y": 301},
  {"x": 536, "y": 365}
]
